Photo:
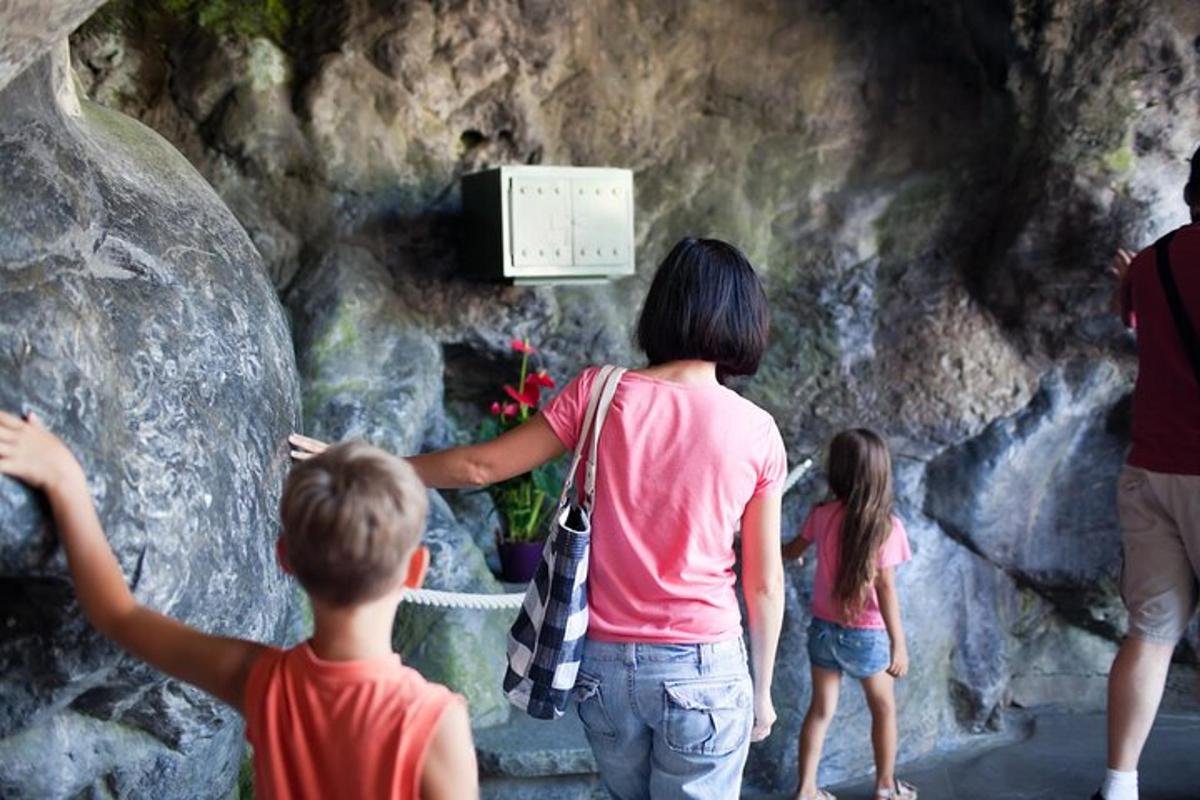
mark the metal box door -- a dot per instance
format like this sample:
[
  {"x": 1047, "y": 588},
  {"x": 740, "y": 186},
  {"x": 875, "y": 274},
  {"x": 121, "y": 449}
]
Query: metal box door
[
  {"x": 600, "y": 218},
  {"x": 540, "y": 220}
]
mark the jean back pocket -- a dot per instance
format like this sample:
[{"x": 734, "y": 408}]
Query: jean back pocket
[{"x": 706, "y": 715}]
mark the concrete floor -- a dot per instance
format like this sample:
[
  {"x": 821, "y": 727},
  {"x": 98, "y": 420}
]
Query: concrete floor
[
  {"x": 1063, "y": 758},
  {"x": 1047, "y": 756}
]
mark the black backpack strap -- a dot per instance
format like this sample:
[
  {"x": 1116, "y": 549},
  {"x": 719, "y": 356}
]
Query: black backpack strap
[{"x": 1183, "y": 323}]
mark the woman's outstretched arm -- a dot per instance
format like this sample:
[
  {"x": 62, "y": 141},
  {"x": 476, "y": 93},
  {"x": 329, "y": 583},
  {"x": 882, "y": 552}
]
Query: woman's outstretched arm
[{"x": 508, "y": 455}]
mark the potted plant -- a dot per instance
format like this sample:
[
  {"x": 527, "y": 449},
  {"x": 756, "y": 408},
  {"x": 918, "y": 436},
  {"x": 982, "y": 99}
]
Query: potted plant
[{"x": 526, "y": 503}]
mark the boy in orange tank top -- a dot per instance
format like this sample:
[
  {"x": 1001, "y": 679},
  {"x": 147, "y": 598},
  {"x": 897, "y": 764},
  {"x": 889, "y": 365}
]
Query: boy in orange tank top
[{"x": 337, "y": 716}]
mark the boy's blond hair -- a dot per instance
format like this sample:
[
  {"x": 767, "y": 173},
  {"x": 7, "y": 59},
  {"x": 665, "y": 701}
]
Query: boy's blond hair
[{"x": 351, "y": 518}]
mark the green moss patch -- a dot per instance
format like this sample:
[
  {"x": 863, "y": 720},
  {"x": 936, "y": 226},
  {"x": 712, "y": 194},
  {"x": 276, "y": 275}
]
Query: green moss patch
[{"x": 270, "y": 19}]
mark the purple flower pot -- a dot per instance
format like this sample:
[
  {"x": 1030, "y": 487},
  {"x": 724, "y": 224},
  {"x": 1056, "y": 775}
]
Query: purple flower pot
[{"x": 519, "y": 560}]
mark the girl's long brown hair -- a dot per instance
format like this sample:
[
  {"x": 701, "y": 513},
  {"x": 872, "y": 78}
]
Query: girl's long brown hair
[{"x": 860, "y": 476}]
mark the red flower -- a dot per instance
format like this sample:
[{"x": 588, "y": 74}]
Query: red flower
[
  {"x": 540, "y": 379},
  {"x": 523, "y": 346},
  {"x": 530, "y": 397},
  {"x": 495, "y": 409},
  {"x": 511, "y": 409}
]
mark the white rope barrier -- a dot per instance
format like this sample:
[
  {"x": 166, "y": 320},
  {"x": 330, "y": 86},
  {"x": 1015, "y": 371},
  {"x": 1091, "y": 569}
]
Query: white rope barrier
[
  {"x": 482, "y": 602},
  {"x": 513, "y": 600},
  {"x": 796, "y": 473}
]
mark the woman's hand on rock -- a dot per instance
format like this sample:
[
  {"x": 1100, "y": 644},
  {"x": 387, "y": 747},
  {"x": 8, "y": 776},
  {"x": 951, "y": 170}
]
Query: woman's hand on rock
[
  {"x": 304, "y": 448},
  {"x": 764, "y": 717}
]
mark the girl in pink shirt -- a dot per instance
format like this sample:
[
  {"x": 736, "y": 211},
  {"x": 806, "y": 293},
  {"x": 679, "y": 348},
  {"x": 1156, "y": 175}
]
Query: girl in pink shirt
[{"x": 856, "y": 625}]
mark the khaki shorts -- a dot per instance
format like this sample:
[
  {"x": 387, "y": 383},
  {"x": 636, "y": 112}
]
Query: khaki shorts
[{"x": 1160, "y": 535}]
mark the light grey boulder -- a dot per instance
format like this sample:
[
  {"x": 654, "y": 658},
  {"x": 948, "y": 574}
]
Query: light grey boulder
[
  {"x": 137, "y": 318},
  {"x": 30, "y": 28},
  {"x": 1035, "y": 494}
]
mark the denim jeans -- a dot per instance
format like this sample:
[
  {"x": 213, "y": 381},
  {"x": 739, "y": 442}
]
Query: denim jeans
[{"x": 667, "y": 721}]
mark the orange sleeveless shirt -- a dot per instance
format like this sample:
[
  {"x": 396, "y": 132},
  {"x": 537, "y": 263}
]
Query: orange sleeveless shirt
[{"x": 339, "y": 729}]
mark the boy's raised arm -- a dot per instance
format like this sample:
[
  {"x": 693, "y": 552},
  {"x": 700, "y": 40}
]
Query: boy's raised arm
[{"x": 218, "y": 665}]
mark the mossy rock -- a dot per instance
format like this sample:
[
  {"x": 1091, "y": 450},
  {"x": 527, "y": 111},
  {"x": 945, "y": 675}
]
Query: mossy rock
[
  {"x": 460, "y": 648},
  {"x": 270, "y": 19}
]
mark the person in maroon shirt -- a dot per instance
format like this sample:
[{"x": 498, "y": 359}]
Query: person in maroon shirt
[{"x": 1158, "y": 495}]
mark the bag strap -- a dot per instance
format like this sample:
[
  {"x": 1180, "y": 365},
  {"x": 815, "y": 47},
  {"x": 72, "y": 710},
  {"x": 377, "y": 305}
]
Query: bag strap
[
  {"x": 606, "y": 398},
  {"x": 1183, "y": 324},
  {"x": 581, "y": 445}
]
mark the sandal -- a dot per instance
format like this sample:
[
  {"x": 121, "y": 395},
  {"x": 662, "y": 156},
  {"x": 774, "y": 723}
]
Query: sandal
[
  {"x": 820, "y": 795},
  {"x": 903, "y": 791}
]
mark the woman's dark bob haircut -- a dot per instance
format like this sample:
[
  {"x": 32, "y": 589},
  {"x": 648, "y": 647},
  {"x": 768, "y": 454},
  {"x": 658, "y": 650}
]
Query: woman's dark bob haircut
[{"x": 705, "y": 303}]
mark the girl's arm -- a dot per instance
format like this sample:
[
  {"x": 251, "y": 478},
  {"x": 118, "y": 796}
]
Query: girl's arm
[
  {"x": 508, "y": 455},
  {"x": 795, "y": 549},
  {"x": 889, "y": 607},
  {"x": 762, "y": 586},
  {"x": 217, "y": 664}
]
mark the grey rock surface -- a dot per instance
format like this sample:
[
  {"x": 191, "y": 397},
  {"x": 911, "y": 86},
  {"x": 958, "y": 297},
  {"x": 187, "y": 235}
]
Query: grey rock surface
[
  {"x": 932, "y": 190},
  {"x": 31, "y": 28},
  {"x": 137, "y": 318}
]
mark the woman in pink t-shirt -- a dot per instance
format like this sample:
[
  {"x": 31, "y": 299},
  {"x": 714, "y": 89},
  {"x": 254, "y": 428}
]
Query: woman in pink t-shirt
[
  {"x": 856, "y": 625},
  {"x": 664, "y": 691}
]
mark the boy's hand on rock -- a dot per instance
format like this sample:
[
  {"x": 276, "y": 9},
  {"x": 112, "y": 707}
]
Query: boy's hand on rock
[
  {"x": 30, "y": 453},
  {"x": 899, "y": 666},
  {"x": 304, "y": 448}
]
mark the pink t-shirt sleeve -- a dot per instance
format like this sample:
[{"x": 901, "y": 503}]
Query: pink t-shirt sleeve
[
  {"x": 565, "y": 412},
  {"x": 773, "y": 471},
  {"x": 895, "y": 550}
]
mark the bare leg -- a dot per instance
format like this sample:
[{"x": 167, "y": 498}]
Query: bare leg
[
  {"x": 825, "y": 684},
  {"x": 880, "y": 690},
  {"x": 1135, "y": 688}
]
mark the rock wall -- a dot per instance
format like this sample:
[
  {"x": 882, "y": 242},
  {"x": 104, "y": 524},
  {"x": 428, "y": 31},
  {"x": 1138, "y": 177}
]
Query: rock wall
[
  {"x": 931, "y": 189},
  {"x": 32, "y": 28},
  {"x": 137, "y": 318}
]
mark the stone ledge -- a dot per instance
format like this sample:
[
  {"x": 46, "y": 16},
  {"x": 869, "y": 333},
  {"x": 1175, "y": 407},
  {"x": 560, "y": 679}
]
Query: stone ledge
[
  {"x": 528, "y": 748},
  {"x": 558, "y": 787}
]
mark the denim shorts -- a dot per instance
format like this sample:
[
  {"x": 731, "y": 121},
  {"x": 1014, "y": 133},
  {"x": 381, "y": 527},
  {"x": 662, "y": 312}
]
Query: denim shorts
[{"x": 858, "y": 652}]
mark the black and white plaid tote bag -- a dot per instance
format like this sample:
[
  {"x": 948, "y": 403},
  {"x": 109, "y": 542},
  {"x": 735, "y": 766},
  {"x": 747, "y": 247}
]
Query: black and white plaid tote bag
[{"x": 545, "y": 644}]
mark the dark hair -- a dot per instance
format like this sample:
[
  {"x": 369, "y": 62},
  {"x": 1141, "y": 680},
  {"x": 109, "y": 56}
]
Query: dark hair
[
  {"x": 706, "y": 302},
  {"x": 860, "y": 475},
  {"x": 1193, "y": 183}
]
